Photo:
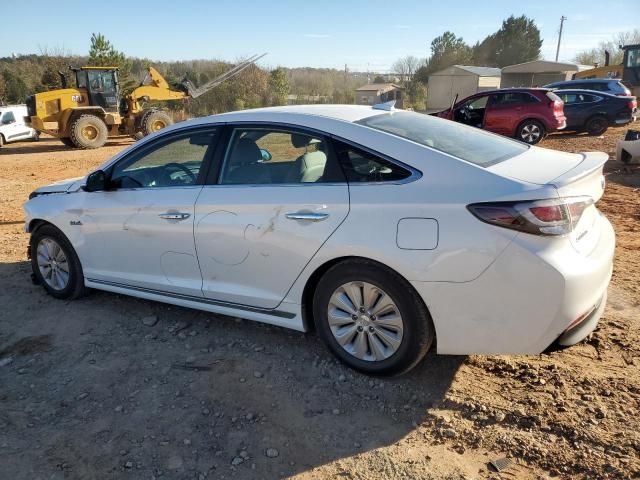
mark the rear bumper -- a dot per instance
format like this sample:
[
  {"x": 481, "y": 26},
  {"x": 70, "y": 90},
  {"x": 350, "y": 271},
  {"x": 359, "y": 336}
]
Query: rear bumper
[{"x": 525, "y": 300}]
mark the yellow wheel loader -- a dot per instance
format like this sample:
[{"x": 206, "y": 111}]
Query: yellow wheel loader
[{"x": 85, "y": 116}]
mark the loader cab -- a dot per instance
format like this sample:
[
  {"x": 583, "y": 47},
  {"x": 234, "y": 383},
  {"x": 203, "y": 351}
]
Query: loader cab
[
  {"x": 631, "y": 66},
  {"x": 101, "y": 84}
]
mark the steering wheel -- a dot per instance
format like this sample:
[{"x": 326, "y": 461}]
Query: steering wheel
[{"x": 179, "y": 166}]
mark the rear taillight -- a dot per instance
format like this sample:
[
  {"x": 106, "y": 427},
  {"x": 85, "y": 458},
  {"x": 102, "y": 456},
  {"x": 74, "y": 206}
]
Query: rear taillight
[
  {"x": 632, "y": 104},
  {"x": 558, "y": 108},
  {"x": 538, "y": 217}
]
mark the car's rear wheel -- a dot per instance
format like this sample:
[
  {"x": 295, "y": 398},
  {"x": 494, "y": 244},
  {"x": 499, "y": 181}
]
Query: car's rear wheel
[
  {"x": 55, "y": 264},
  {"x": 371, "y": 318},
  {"x": 597, "y": 125},
  {"x": 531, "y": 132}
]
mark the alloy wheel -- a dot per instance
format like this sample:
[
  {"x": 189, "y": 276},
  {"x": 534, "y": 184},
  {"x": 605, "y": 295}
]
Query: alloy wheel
[
  {"x": 53, "y": 264},
  {"x": 530, "y": 133},
  {"x": 365, "y": 321}
]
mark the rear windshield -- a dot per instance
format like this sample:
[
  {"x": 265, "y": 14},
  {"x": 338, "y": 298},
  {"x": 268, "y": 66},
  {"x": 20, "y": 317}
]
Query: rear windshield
[{"x": 467, "y": 143}]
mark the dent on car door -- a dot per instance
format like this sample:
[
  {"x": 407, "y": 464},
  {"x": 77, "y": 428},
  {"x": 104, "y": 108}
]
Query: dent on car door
[
  {"x": 139, "y": 232},
  {"x": 278, "y": 197}
]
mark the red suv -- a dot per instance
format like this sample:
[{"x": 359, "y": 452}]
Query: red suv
[{"x": 526, "y": 114}]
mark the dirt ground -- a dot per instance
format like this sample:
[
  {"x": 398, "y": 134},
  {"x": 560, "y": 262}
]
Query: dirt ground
[{"x": 114, "y": 387}]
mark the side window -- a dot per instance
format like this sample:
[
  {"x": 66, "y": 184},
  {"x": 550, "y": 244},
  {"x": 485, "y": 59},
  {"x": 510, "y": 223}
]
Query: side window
[
  {"x": 567, "y": 98},
  {"x": 173, "y": 162},
  {"x": 513, "y": 98},
  {"x": 258, "y": 156},
  {"x": 478, "y": 103},
  {"x": 589, "y": 98},
  {"x": 362, "y": 166},
  {"x": 8, "y": 117}
]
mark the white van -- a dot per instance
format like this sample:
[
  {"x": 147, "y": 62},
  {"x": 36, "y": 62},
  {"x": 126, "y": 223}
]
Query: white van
[{"x": 13, "y": 127}]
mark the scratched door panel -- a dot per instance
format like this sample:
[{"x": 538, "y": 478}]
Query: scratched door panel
[
  {"x": 128, "y": 238},
  {"x": 249, "y": 252}
]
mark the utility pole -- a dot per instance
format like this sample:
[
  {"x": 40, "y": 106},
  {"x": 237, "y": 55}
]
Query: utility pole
[{"x": 562, "y": 19}]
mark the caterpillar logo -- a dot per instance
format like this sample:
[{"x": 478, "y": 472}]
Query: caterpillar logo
[{"x": 77, "y": 98}]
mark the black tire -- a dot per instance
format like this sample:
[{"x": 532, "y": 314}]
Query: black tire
[
  {"x": 154, "y": 120},
  {"x": 36, "y": 137},
  {"x": 418, "y": 329},
  {"x": 88, "y": 131},
  {"x": 596, "y": 125},
  {"x": 2, "y": 142},
  {"x": 531, "y": 132},
  {"x": 75, "y": 285},
  {"x": 67, "y": 141}
]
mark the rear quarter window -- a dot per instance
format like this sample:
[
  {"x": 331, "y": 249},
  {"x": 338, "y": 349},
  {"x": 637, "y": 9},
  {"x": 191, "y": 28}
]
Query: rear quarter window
[{"x": 466, "y": 143}]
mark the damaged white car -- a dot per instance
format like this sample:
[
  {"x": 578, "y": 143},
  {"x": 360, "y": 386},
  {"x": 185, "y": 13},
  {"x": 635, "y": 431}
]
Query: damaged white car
[{"x": 383, "y": 230}]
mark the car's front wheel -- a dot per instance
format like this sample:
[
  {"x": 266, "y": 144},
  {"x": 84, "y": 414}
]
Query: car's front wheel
[
  {"x": 531, "y": 132},
  {"x": 55, "y": 264},
  {"x": 371, "y": 318}
]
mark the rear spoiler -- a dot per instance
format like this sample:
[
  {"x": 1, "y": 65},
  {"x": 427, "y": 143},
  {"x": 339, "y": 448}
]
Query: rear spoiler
[{"x": 591, "y": 162}]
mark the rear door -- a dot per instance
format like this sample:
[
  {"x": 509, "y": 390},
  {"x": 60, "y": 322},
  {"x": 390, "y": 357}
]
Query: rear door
[
  {"x": 279, "y": 195},
  {"x": 499, "y": 113}
]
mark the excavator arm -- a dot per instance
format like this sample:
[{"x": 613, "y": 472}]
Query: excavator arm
[{"x": 155, "y": 88}]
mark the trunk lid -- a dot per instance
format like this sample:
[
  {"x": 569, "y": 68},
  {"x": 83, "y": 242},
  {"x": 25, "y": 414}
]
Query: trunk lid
[
  {"x": 573, "y": 175},
  {"x": 587, "y": 180}
]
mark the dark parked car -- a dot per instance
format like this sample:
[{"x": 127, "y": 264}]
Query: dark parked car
[
  {"x": 606, "y": 85},
  {"x": 526, "y": 114},
  {"x": 594, "y": 112}
]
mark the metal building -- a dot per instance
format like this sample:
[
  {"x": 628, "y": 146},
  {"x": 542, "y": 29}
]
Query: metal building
[
  {"x": 539, "y": 73},
  {"x": 461, "y": 80},
  {"x": 379, "y": 93}
]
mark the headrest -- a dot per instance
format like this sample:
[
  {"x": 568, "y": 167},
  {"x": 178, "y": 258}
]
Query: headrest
[
  {"x": 245, "y": 152},
  {"x": 300, "y": 141}
]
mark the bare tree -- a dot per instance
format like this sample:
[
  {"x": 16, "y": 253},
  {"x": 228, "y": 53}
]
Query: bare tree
[
  {"x": 596, "y": 55},
  {"x": 406, "y": 67}
]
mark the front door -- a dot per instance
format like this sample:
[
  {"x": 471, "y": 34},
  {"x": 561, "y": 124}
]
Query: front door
[
  {"x": 140, "y": 231},
  {"x": 279, "y": 196}
]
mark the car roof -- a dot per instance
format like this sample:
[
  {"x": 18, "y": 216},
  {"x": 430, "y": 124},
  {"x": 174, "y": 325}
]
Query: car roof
[
  {"x": 347, "y": 113},
  {"x": 585, "y": 90},
  {"x": 587, "y": 80}
]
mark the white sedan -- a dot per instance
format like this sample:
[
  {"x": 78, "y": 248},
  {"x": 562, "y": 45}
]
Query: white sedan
[{"x": 382, "y": 230}]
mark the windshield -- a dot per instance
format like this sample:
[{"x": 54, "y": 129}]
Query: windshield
[
  {"x": 102, "y": 82},
  {"x": 633, "y": 58},
  {"x": 467, "y": 143}
]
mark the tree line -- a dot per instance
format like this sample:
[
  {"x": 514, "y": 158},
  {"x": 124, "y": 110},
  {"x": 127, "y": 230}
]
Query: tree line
[
  {"x": 516, "y": 41},
  {"x": 253, "y": 87}
]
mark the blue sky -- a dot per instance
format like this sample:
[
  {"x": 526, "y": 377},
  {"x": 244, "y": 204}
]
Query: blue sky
[{"x": 366, "y": 35}]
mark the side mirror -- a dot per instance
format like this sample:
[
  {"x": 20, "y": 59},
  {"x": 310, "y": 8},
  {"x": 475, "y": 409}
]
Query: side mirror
[
  {"x": 266, "y": 155},
  {"x": 96, "y": 182}
]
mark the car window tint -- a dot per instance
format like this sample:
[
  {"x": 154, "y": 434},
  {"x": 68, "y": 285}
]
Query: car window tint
[
  {"x": 173, "y": 162},
  {"x": 361, "y": 166},
  {"x": 258, "y": 156},
  {"x": 461, "y": 141},
  {"x": 8, "y": 117},
  {"x": 513, "y": 98}
]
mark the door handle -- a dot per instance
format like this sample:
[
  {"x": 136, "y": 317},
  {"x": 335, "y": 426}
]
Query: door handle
[
  {"x": 308, "y": 216},
  {"x": 174, "y": 216}
]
